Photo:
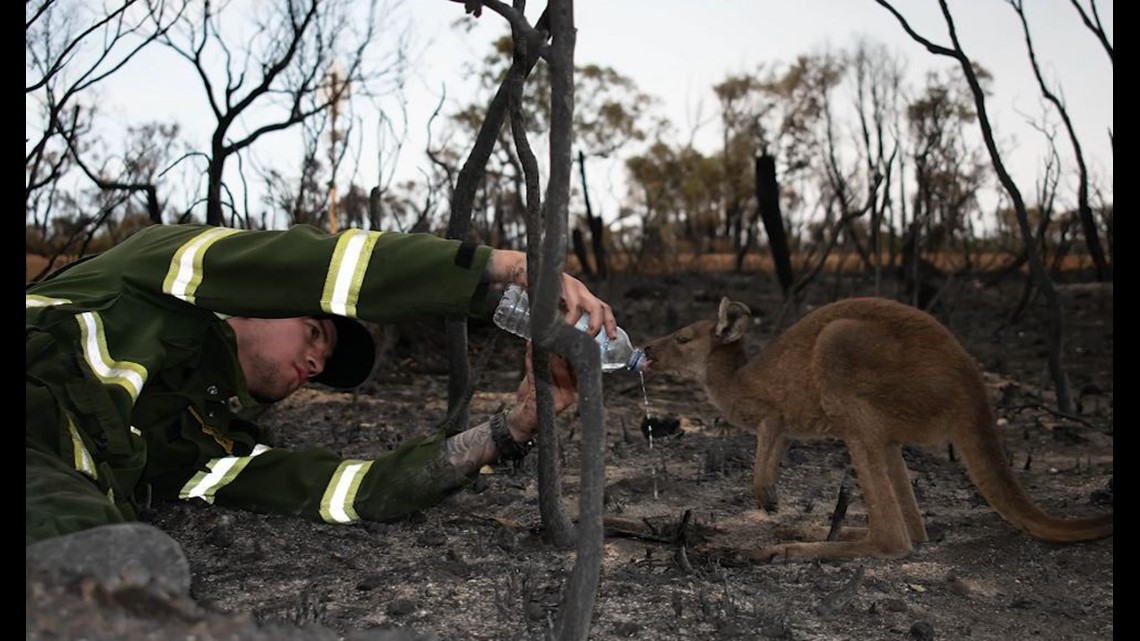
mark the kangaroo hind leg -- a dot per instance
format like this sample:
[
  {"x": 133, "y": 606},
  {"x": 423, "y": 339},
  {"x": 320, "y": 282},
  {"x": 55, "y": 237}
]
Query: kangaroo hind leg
[
  {"x": 887, "y": 534},
  {"x": 904, "y": 494}
]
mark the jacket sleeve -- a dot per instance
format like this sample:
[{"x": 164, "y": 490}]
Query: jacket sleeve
[
  {"x": 369, "y": 275},
  {"x": 316, "y": 483}
]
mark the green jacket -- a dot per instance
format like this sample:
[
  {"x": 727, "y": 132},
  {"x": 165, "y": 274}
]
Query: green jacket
[{"x": 132, "y": 349}]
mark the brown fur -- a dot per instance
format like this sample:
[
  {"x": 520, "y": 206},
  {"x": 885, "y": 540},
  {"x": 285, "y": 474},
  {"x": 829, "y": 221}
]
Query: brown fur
[{"x": 875, "y": 374}]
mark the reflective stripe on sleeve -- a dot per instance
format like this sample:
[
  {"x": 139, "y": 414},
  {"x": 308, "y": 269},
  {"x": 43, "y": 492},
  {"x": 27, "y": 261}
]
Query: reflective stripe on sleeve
[
  {"x": 346, "y": 271},
  {"x": 222, "y": 472},
  {"x": 35, "y": 300},
  {"x": 84, "y": 463},
  {"x": 337, "y": 503},
  {"x": 185, "y": 272},
  {"x": 130, "y": 376}
]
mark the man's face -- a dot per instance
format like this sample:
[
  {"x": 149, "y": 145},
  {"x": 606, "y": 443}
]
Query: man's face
[{"x": 279, "y": 355}]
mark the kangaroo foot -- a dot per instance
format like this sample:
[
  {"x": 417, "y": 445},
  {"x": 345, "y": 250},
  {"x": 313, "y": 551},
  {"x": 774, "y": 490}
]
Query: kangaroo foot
[{"x": 767, "y": 500}]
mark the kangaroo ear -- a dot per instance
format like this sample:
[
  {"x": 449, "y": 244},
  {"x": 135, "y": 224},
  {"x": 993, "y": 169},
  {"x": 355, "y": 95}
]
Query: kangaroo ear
[{"x": 732, "y": 321}]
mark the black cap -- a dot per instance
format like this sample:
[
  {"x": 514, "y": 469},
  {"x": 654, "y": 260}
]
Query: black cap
[{"x": 353, "y": 357}]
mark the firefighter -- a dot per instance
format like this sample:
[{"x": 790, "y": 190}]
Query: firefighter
[{"x": 147, "y": 365}]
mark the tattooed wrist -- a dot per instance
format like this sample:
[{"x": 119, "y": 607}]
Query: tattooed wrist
[
  {"x": 471, "y": 449},
  {"x": 485, "y": 443},
  {"x": 505, "y": 444}
]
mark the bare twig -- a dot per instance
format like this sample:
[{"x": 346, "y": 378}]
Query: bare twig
[{"x": 841, "y": 502}]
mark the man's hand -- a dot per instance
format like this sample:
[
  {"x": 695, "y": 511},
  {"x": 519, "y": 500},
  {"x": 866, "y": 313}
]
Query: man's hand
[
  {"x": 523, "y": 417},
  {"x": 577, "y": 299},
  {"x": 508, "y": 267},
  {"x": 471, "y": 449}
]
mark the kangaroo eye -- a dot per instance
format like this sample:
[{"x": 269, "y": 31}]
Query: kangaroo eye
[{"x": 682, "y": 338}]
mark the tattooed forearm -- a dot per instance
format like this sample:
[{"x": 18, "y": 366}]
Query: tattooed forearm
[
  {"x": 471, "y": 449},
  {"x": 518, "y": 274},
  {"x": 506, "y": 267}
]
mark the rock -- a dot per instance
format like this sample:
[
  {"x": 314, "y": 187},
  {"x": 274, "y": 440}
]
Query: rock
[{"x": 116, "y": 555}]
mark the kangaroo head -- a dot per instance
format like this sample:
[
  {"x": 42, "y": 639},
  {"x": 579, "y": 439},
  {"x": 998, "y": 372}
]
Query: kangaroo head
[{"x": 686, "y": 351}]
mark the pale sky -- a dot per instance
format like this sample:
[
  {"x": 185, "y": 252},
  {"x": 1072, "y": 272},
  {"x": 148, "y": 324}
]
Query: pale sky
[{"x": 676, "y": 51}]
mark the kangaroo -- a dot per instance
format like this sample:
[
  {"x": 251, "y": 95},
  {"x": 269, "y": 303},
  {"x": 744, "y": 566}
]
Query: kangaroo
[{"x": 875, "y": 374}]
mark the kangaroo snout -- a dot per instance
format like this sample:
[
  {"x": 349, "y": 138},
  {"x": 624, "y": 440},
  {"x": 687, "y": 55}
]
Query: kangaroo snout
[{"x": 647, "y": 357}]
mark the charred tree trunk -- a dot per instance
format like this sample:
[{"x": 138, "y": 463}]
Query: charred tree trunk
[
  {"x": 597, "y": 230},
  {"x": 580, "y": 591},
  {"x": 557, "y": 527},
  {"x": 768, "y": 202},
  {"x": 466, "y": 185},
  {"x": 214, "y": 214},
  {"x": 579, "y": 245},
  {"x": 921, "y": 280}
]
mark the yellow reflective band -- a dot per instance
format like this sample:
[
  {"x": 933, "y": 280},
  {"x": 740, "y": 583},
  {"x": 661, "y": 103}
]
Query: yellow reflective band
[
  {"x": 350, "y": 261},
  {"x": 222, "y": 472},
  {"x": 185, "y": 272},
  {"x": 34, "y": 300},
  {"x": 130, "y": 376},
  {"x": 83, "y": 461},
  {"x": 337, "y": 503}
]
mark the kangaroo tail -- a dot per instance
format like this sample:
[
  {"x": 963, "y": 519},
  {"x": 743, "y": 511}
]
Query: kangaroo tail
[{"x": 985, "y": 462}]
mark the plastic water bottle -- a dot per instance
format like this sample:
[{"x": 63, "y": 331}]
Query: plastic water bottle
[{"x": 513, "y": 315}]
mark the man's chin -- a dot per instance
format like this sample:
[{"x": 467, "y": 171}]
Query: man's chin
[{"x": 262, "y": 397}]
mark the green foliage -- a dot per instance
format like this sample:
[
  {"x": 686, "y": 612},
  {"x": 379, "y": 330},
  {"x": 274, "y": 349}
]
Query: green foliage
[{"x": 679, "y": 192}]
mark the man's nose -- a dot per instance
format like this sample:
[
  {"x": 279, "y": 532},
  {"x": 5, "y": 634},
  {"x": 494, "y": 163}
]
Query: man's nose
[{"x": 315, "y": 363}]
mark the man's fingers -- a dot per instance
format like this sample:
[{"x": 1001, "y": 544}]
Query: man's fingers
[
  {"x": 603, "y": 315},
  {"x": 572, "y": 303},
  {"x": 578, "y": 299}
]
